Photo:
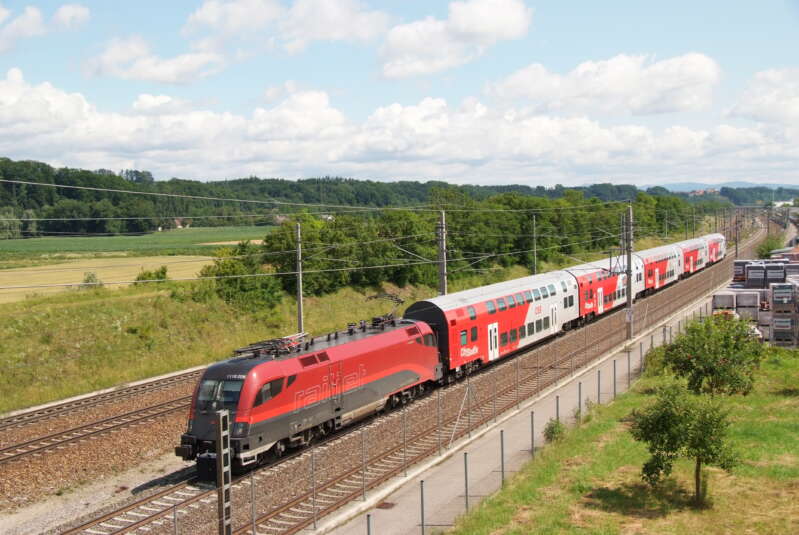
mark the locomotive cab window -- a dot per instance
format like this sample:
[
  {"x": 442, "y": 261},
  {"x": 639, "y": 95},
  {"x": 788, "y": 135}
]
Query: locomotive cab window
[
  {"x": 218, "y": 394},
  {"x": 464, "y": 338},
  {"x": 490, "y": 307},
  {"x": 429, "y": 340},
  {"x": 472, "y": 313},
  {"x": 268, "y": 391},
  {"x": 501, "y": 304}
]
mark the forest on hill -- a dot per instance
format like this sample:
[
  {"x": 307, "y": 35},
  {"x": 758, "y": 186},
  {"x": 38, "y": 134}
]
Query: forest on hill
[{"x": 76, "y": 211}]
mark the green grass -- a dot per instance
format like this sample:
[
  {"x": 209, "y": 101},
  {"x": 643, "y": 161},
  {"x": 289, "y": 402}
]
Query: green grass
[
  {"x": 590, "y": 482},
  {"x": 52, "y": 347},
  {"x": 177, "y": 241}
]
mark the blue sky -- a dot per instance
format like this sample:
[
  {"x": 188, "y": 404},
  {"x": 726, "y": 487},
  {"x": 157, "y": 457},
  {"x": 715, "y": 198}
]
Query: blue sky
[{"x": 470, "y": 91}]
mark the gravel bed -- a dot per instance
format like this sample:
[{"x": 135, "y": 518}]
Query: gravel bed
[
  {"x": 56, "y": 471},
  {"x": 87, "y": 415}
]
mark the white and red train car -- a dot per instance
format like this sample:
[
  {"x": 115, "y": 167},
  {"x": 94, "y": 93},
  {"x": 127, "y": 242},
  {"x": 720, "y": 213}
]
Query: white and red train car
[{"x": 603, "y": 284}]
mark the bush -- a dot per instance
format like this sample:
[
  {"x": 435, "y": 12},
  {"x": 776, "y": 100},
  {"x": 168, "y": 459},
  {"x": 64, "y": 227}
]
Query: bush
[
  {"x": 154, "y": 275},
  {"x": 554, "y": 430},
  {"x": 91, "y": 281}
]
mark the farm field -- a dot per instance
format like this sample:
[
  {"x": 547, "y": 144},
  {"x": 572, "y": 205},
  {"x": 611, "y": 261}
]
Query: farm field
[
  {"x": 106, "y": 269},
  {"x": 590, "y": 482},
  {"x": 200, "y": 240}
]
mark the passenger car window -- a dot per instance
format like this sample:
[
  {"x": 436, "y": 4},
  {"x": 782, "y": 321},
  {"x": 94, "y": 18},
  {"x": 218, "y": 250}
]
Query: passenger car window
[
  {"x": 513, "y": 335},
  {"x": 522, "y": 332},
  {"x": 464, "y": 338},
  {"x": 474, "y": 334},
  {"x": 537, "y": 295},
  {"x": 551, "y": 289},
  {"x": 501, "y": 304},
  {"x": 520, "y": 299},
  {"x": 530, "y": 328},
  {"x": 472, "y": 313},
  {"x": 503, "y": 339},
  {"x": 528, "y": 296},
  {"x": 563, "y": 285},
  {"x": 490, "y": 307},
  {"x": 544, "y": 292},
  {"x": 511, "y": 301}
]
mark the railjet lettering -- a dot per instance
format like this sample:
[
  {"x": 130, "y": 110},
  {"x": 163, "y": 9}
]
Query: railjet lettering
[{"x": 468, "y": 351}]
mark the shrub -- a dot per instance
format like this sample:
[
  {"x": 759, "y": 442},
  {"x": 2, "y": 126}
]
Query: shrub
[
  {"x": 91, "y": 281},
  {"x": 554, "y": 430},
  {"x": 154, "y": 275}
]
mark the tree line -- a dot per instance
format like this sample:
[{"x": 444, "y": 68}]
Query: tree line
[{"x": 100, "y": 212}]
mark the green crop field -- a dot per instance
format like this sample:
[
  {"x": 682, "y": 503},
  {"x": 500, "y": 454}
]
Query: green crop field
[{"x": 176, "y": 239}]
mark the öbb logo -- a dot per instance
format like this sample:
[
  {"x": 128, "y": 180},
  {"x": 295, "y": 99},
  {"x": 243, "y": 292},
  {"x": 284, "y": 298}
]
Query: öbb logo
[{"x": 468, "y": 351}]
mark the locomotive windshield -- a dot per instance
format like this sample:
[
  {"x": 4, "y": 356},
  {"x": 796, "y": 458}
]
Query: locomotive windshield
[{"x": 217, "y": 394}]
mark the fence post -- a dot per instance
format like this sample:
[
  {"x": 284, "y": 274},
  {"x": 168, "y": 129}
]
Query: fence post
[
  {"x": 599, "y": 386},
  {"x": 640, "y": 357},
  {"x": 532, "y": 433},
  {"x": 629, "y": 371},
  {"x": 438, "y": 419},
  {"x": 517, "y": 383},
  {"x": 557, "y": 407},
  {"x": 368, "y": 524},
  {"x": 614, "y": 379},
  {"x": 313, "y": 484},
  {"x": 502, "y": 454},
  {"x": 421, "y": 497},
  {"x": 175, "y": 521},
  {"x": 469, "y": 405},
  {"x": 466, "y": 478},
  {"x": 579, "y": 401}
]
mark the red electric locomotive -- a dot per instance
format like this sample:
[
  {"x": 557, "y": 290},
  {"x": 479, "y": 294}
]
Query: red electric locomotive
[{"x": 284, "y": 392}]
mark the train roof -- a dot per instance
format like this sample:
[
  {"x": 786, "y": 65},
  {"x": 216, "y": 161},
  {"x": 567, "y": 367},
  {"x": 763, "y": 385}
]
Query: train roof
[
  {"x": 300, "y": 345},
  {"x": 613, "y": 263},
  {"x": 499, "y": 289}
]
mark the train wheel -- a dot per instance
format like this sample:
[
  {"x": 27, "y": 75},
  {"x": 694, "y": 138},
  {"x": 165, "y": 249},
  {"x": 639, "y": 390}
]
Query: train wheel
[{"x": 279, "y": 449}]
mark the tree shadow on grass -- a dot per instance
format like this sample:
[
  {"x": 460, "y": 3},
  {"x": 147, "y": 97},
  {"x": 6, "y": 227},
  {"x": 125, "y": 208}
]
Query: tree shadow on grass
[
  {"x": 788, "y": 392},
  {"x": 640, "y": 500}
]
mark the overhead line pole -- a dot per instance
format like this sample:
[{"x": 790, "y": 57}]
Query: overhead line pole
[
  {"x": 535, "y": 250},
  {"x": 300, "y": 322},
  {"x": 629, "y": 246},
  {"x": 442, "y": 254}
]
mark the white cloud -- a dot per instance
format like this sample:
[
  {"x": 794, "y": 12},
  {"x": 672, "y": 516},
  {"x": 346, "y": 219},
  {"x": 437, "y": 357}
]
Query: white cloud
[
  {"x": 131, "y": 59},
  {"x": 71, "y": 15},
  {"x": 28, "y": 24},
  {"x": 772, "y": 97},
  {"x": 432, "y": 45},
  {"x": 626, "y": 84},
  {"x": 234, "y": 17},
  {"x": 322, "y": 20},
  {"x": 303, "y": 134}
]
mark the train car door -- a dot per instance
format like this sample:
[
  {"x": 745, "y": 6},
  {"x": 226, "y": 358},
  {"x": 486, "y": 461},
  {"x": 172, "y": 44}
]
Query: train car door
[
  {"x": 657, "y": 278},
  {"x": 600, "y": 300},
  {"x": 553, "y": 313},
  {"x": 493, "y": 341},
  {"x": 690, "y": 264}
]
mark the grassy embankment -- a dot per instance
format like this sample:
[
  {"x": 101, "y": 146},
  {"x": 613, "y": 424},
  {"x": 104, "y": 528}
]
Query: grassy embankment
[
  {"x": 78, "y": 341},
  {"x": 590, "y": 483}
]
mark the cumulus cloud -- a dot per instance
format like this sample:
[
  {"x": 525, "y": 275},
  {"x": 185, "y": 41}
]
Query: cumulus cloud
[
  {"x": 772, "y": 97},
  {"x": 624, "y": 83},
  {"x": 432, "y": 45},
  {"x": 71, "y": 15},
  {"x": 302, "y": 134},
  {"x": 29, "y": 23},
  {"x": 131, "y": 58},
  {"x": 321, "y": 20}
]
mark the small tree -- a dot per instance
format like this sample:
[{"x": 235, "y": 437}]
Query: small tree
[
  {"x": 679, "y": 424},
  {"x": 91, "y": 281},
  {"x": 716, "y": 356},
  {"x": 554, "y": 430}
]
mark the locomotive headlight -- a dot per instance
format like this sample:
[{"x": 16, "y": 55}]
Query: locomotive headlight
[{"x": 240, "y": 429}]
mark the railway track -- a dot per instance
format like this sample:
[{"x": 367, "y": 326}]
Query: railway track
[
  {"x": 496, "y": 389},
  {"x": 76, "y": 434},
  {"x": 60, "y": 409}
]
